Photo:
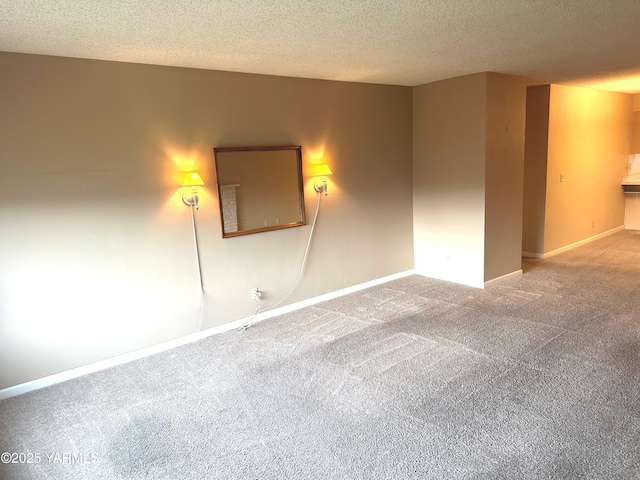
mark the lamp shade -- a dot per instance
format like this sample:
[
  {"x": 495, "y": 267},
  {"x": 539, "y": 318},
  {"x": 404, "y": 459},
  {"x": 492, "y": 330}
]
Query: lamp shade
[
  {"x": 192, "y": 179},
  {"x": 321, "y": 170}
]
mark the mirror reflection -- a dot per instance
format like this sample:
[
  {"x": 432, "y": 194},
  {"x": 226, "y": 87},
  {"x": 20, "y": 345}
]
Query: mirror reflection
[{"x": 259, "y": 188}]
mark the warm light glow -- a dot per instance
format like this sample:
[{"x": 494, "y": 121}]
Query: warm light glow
[
  {"x": 192, "y": 179},
  {"x": 321, "y": 170},
  {"x": 178, "y": 159},
  {"x": 625, "y": 85},
  {"x": 316, "y": 154},
  {"x": 626, "y": 81}
]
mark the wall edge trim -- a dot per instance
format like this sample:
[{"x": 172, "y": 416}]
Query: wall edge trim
[
  {"x": 193, "y": 337},
  {"x": 502, "y": 278},
  {"x": 582, "y": 242}
]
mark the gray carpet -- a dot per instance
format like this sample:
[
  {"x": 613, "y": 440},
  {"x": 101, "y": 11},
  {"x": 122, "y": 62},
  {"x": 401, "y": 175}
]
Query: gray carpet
[{"x": 417, "y": 378}]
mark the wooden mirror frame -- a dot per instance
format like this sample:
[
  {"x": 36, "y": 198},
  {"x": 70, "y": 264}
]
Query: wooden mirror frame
[{"x": 300, "y": 221}]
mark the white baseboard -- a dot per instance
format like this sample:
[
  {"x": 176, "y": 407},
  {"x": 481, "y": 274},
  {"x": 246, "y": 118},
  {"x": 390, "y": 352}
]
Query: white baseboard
[
  {"x": 502, "y": 278},
  {"x": 428, "y": 274},
  {"x": 161, "y": 347},
  {"x": 582, "y": 242},
  {"x": 532, "y": 255},
  {"x": 329, "y": 296}
]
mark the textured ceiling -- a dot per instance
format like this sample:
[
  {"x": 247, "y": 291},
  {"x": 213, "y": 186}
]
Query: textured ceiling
[{"x": 401, "y": 42}]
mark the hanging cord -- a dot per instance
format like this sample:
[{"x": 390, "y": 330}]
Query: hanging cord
[
  {"x": 195, "y": 242},
  {"x": 258, "y": 309},
  {"x": 198, "y": 324}
]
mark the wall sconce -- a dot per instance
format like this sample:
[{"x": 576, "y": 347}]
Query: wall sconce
[
  {"x": 190, "y": 195},
  {"x": 320, "y": 184}
]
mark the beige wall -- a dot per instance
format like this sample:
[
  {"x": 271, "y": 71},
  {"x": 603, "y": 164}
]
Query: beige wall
[
  {"x": 589, "y": 138},
  {"x": 468, "y": 146},
  {"x": 635, "y": 136},
  {"x": 587, "y": 150},
  {"x": 449, "y": 142},
  {"x": 636, "y": 102},
  {"x": 535, "y": 169},
  {"x": 96, "y": 251},
  {"x": 506, "y": 101}
]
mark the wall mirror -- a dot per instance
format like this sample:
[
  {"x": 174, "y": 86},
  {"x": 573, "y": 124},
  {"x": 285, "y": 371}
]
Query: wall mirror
[{"x": 259, "y": 189}]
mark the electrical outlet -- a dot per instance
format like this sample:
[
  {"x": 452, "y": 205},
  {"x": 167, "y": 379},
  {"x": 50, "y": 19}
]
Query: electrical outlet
[{"x": 256, "y": 294}]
